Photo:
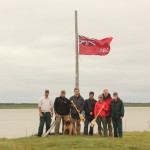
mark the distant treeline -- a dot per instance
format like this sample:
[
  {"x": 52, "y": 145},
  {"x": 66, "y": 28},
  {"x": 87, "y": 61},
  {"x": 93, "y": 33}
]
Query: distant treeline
[
  {"x": 137, "y": 104},
  {"x": 18, "y": 103},
  {"x": 34, "y": 105}
]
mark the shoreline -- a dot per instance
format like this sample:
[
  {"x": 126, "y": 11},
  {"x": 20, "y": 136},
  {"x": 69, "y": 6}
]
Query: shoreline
[
  {"x": 95, "y": 135},
  {"x": 34, "y": 106}
]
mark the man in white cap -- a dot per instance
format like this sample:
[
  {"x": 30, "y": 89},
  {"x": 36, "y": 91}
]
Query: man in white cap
[{"x": 117, "y": 114}]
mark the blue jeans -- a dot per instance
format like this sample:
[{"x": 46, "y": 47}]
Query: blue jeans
[
  {"x": 117, "y": 124},
  {"x": 45, "y": 119},
  {"x": 88, "y": 119}
]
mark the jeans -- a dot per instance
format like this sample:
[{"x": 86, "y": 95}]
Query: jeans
[
  {"x": 103, "y": 120},
  {"x": 109, "y": 125},
  {"x": 117, "y": 124},
  {"x": 46, "y": 118},
  {"x": 57, "y": 126},
  {"x": 88, "y": 119}
]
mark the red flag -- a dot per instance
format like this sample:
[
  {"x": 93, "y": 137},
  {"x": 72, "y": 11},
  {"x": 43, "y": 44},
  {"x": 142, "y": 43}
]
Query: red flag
[{"x": 90, "y": 46}]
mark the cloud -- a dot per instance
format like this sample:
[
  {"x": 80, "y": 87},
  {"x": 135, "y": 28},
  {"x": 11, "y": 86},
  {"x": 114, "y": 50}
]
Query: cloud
[{"x": 37, "y": 48}]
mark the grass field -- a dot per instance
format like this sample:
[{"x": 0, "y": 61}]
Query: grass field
[
  {"x": 131, "y": 141},
  {"x": 32, "y": 106}
]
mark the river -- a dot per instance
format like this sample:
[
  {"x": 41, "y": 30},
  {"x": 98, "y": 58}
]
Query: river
[{"x": 16, "y": 123}]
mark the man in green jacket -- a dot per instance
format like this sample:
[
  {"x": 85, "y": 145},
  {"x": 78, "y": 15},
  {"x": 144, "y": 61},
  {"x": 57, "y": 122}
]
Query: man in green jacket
[{"x": 117, "y": 114}]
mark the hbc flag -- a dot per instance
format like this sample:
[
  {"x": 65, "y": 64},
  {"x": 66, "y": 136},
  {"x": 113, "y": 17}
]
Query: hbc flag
[{"x": 90, "y": 46}]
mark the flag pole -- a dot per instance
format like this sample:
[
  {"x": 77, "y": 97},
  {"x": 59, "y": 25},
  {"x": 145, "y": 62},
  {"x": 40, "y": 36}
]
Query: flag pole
[{"x": 76, "y": 51}]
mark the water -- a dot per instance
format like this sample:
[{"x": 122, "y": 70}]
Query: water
[{"x": 24, "y": 122}]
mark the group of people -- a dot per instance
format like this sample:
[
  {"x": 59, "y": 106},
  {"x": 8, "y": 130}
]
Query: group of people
[{"x": 107, "y": 110}]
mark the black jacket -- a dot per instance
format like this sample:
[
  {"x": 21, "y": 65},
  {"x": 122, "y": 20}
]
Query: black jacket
[
  {"x": 117, "y": 109},
  {"x": 62, "y": 106},
  {"x": 79, "y": 102},
  {"x": 89, "y": 106}
]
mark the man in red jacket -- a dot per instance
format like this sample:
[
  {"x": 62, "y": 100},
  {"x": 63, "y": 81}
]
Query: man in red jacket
[
  {"x": 108, "y": 99},
  {"x": 101, "y": 104}
]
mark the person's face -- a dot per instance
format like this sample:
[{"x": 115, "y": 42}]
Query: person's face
[
  {"x": 63, "y": 94},
  {"x": 100, "y": 99},
  {"x": 76, "y": 92},
  {"x": 91, "y": 96},
  {"x": 105, "y": 93},
  {"x": 115, "y": 97},
  {"x": 46, "y": 94}
]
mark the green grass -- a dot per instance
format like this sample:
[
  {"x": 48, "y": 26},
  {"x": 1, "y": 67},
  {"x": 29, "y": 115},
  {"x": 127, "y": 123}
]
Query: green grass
[
  {"x": 131, "y": 141},
  {"x": 33, "y": 106}
]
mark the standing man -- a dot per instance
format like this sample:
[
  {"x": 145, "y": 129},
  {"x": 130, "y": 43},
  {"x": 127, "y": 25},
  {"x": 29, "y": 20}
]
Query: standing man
[
  {"x": 107, "y": 98},
  {"x": 117, "y": 114},
  {"x": 89, "y": 105},
  {"x": 46, "y": 112},
  {"x": 61, "y": 108},
  {"x": 79, "y": 102},
  {"x": 103, "y": 106}
]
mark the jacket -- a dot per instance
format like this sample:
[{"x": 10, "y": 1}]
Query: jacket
[
  {"x": 89, "y": 106},
  {"x": 62, "y": 106},
  {"x": 97, "y": 108},
  {"x": 108, "y": 100},
  {"x": 117, "y": 109},
  {"x": 79, "y": 102}
]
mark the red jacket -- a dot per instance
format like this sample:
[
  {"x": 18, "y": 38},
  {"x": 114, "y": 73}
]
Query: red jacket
[
  {"x": 97, "y": 108},
  {"x": 108, "y": 101}
]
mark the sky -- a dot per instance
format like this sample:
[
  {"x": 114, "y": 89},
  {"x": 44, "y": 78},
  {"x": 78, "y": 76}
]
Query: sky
[{"x": 37, "y": 49}]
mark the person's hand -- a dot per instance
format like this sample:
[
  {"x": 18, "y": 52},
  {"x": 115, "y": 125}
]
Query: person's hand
[
  {"x": 51, "y": 115},
  {"x": 91, "y": 113},
  {"x": 78, "y": 111},
  {"x": 121, "y": 117},
  {"x": 103, "y": 106},
  {"x": 56, "y": 115},
  {"x": 41, "y": 115}
]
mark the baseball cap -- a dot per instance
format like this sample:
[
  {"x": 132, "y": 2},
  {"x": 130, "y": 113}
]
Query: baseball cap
[
  {"x": 115, "y": 93},
  {"x": 100, "y": 96}
]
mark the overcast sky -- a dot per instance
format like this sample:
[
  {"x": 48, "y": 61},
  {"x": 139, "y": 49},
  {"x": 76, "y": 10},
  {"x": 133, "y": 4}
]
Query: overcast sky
[{"x": 37, "y": 48}]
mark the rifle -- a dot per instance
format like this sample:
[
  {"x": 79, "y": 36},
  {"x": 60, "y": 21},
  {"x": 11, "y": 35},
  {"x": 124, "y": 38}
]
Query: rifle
[
  {"x": 80, "y": 115},
  {"x": 92, "y": 123},
  {"x": 50, "y": 129}
]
